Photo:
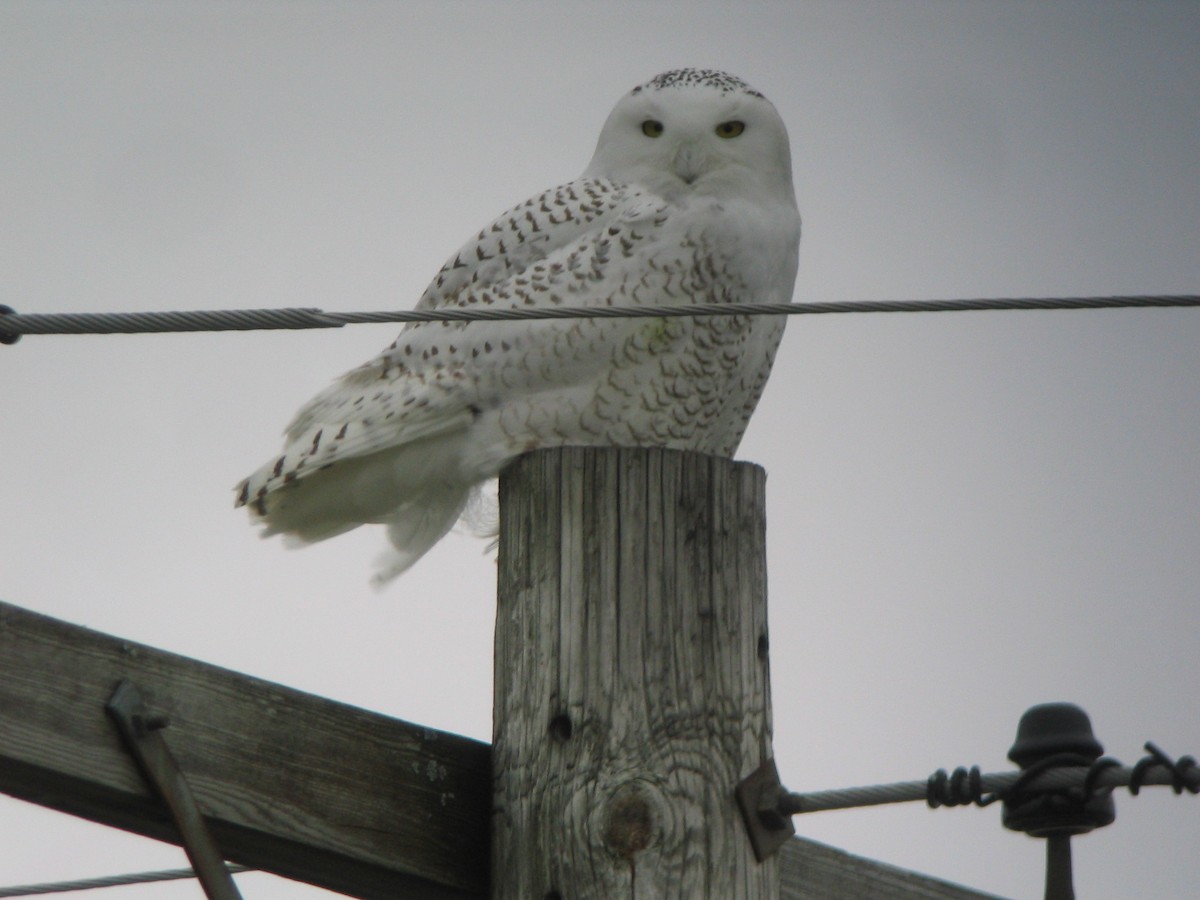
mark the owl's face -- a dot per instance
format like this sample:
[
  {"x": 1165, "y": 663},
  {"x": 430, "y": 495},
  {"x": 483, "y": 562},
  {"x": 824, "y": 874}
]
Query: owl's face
[{"x": 703, "y": 133}]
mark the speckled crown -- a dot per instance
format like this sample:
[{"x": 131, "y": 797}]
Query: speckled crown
[{"x": 722, "y": 81}]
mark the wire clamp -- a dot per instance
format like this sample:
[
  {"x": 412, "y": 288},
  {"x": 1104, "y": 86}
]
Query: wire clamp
[
  {"x": 766, "y": 809},
  {"x": 8, "y": 337},
  {"x": 143, "y": 737}
]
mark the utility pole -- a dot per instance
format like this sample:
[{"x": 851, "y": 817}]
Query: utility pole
[
  {"x": 631, "y": 682},
  {"x": 631, "y": 699}
]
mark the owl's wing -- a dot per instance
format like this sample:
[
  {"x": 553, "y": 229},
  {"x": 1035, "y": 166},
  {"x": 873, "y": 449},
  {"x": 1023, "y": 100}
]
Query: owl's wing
[
  {"x": 521, "y": 236},
  {"x": 436, "y": 377}
]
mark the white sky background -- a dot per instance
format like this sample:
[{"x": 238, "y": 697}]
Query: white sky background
[{"x": 969, "y": 513}]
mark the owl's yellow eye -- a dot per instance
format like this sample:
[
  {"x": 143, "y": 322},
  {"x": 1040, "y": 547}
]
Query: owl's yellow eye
[
  {"x": 652, "y": 128},
  {"x": 730, "y": 129}
]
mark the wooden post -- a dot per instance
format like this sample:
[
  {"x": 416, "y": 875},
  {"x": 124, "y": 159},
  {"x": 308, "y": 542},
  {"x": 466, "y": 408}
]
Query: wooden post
[{"x": 631, "y": 688}]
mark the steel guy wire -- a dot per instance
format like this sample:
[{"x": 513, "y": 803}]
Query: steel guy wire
[
  {"x": 88, "y": 884},
  {"x": 1184, "y": 775},
  {"x": 13, "y": 324}
]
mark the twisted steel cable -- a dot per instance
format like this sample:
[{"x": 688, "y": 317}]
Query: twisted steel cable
[{"x": 13, "y": 324}]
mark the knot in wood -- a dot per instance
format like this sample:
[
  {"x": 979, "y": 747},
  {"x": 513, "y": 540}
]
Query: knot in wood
[{"x": 629, "y": 822}]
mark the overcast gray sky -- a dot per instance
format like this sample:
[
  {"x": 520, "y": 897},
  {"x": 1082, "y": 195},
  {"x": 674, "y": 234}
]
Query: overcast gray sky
[{"x": 969, "y": 513}]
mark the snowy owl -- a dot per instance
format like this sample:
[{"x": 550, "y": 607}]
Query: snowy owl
[{"x": 688, "y": 199}]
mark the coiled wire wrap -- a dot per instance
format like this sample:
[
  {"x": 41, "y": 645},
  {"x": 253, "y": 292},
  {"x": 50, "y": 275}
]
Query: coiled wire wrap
[{"x": 969, "y": 786}]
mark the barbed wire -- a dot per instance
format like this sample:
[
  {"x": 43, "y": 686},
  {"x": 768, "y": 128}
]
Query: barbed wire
[
  {"x": 88, "y": 884},
  {"x": 13, "y": 324}
]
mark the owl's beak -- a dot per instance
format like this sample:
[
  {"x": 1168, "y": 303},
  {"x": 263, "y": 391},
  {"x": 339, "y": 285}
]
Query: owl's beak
[{"x": 689, "y": 163}]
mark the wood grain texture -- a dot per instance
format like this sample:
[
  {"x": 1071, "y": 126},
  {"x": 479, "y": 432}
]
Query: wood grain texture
[
  {"x": 631, "y": 675},
  {"x": 288, "y": 782},
  {"x": 813, "y": 871}
]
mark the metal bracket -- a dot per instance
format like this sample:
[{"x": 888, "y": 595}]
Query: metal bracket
[
  {"x": 761, "y": 798},
  {"x": 143, "y": 737}
]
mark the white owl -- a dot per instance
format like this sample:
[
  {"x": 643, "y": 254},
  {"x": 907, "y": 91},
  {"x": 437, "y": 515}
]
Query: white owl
[{"x": 688, "y": 199}]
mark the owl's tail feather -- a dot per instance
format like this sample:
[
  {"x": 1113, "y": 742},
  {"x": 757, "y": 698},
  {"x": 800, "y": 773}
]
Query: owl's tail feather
[
  {"x": 416, "y": 490},
  {"x": 416, "y": 526}
]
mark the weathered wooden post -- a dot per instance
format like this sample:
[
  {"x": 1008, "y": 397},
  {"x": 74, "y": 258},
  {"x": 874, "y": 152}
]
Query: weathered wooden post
[{"x": 631, "y": 688}]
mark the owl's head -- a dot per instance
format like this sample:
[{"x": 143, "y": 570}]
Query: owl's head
[{"x": 696, "y": 131}]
